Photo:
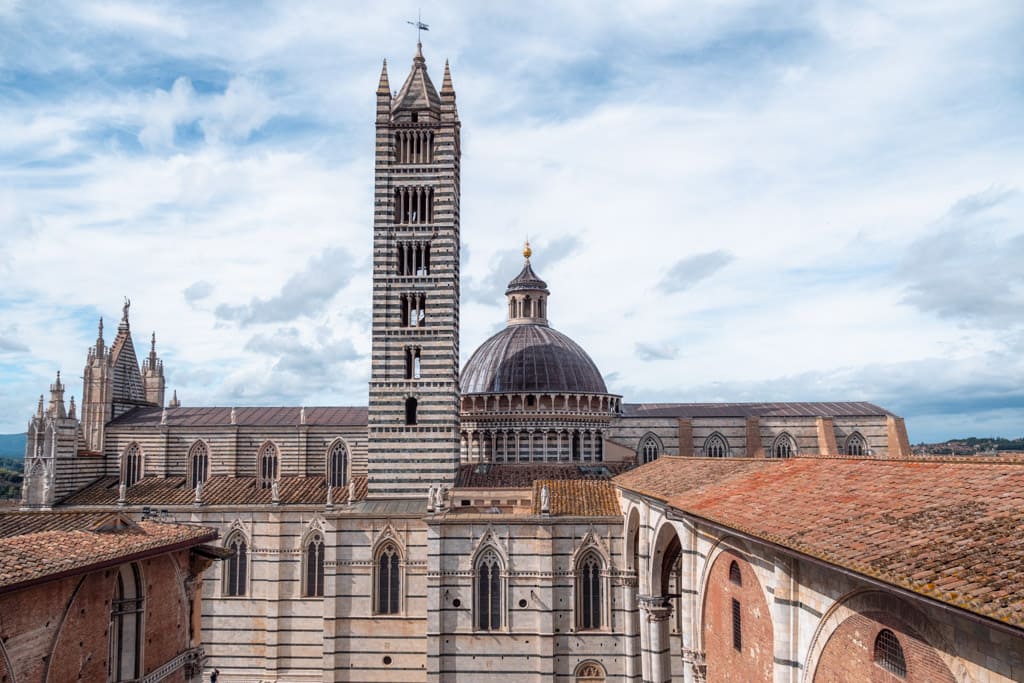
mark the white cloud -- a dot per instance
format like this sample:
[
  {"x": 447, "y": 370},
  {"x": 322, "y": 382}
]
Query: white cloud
[{"x": 150, "y": 150}]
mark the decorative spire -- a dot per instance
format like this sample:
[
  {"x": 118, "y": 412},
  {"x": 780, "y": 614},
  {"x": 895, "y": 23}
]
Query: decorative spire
[
  {"x": 39, "y": 409},
  {"x": 446, "y": 85},
  {"x": 527, "y": 252},
  {"x": 71, "y": 408},
  {"x": 175, "y": 403},
  {"x": 99, "y": 340},
  {"x": 419, "y": 54},
  {"x": 383, "y": 87}
]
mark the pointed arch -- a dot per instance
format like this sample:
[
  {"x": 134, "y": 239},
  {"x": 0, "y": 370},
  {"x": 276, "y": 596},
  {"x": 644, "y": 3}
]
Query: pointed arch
[
  {"x": 591, "y": 571},
  {"x": 855, "y": 444},
  {"x": 716, "y": 446},
  {"x": 313, "y": 564},
  {"x": 489, "y": 576},
  {"x": 784, "y": 446},
  {"x": 388, "y": 581},
  {"x": 131, "y": 464},
  {"x": 127, "y": 610},
  {"x": 268, "y": 464},
  {"x": 338, "y": 463},
  {"x": 236, "y": 568},
  {"x": 650, "y": 448},
  {"x": 198, "y": 463}
]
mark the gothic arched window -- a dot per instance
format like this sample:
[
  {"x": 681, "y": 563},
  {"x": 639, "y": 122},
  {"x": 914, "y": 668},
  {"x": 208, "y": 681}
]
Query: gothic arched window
[
  {"x": 131, "y": 464},
  {"x": 126, "y": 611},
  {"x": 650, "y": 449},
  {"x": 734, "y": 573},
  {"x": 337, "y": 464},
  {"x": 589, "y": 606},
  {"x": 314, "y": 559},
  {"x": 856, "y": 444},
  {"x": 889, "y": 653},
  {"x": 389, "y": 580},
  {"x": 198, "y": 463},
  {"x": 489, "y": 603},
  {"x": 236, "y": 567},
  {"x": 268, "y": 465},
  {"x": 715, "y": 446},
  {"x": 784, "y": 446}
]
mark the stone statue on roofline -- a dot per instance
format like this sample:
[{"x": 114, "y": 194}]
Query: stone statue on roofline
[
  {"x": 275, "y": 492},
  {"x": 431, "y": 497},
  {"x": 545, "y": 500},
  {"x": 351, "y": 492},
  {"x": 124, "y": 309}
]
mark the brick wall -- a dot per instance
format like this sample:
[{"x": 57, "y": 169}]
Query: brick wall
[
  {"x": 848, "y": 656},
  {"x": 754, "y": 661},
  {"x": 58, "y": 631}
]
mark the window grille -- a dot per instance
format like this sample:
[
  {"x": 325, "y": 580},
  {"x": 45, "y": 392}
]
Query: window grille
[
  {"x": 388, "y": 580},
  {"x": 488, "y": 592},
  {"x": 737, "y": 626},
  {"x": 889, "y": 653}
]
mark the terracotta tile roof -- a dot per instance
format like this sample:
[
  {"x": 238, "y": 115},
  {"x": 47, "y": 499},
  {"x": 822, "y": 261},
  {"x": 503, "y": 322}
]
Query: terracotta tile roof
[
  {"x": 949, "y": 530},
  {"x": 251, "y": 416},
  {"x": 493, "y": 475},
  {"x": 795, "y": 409},
  {"x": 216, "y": 491},
  {"x": 52, "y": 545},
  {"x": 578, "y": 498}
]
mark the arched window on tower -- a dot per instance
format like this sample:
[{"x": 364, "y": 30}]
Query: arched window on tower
[
  {"x": 268, "y": 465},
  {"x": 337, "y": 464},
  {"x": 236, "y": 568},
  {"x": 131, "y": 464},
  {"x": 314, "y": 560},
  {"x": 715, "y": 446},
  {"x": 389, "y": 580},
  {"x": 589, "y": 605},
  {"x": 650, "y": 449},
  {"x": 856, "y": 444},
  {"x": 784, "y": 446},
  {"x": 489, "y": 595},
  {"x": 889, "y": 653},
  {"x": 198, "y": 464},
  {"x": 126, "y": 610}
]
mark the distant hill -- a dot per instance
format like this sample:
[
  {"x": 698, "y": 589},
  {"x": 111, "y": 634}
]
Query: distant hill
[
  {"x": 12, "y": 455},
  {"x": 972, "y": 445},
  {"x": 13, "y": 446}
]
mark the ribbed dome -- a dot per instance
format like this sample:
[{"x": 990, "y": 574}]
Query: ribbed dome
[{"x": 531, "y": 358}]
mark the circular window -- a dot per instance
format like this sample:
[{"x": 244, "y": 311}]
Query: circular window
[
  {"x": 387, "y": 659},
  {"x": 522, "y": 603},
  {"x": 457, "y": 603}
]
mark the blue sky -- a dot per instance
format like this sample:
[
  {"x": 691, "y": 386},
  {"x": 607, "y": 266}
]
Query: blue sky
[{"x": 729, "y": 201}]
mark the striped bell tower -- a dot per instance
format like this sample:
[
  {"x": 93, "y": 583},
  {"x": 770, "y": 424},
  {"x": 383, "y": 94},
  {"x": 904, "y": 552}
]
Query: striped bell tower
[{"x": 414, "y": 382}]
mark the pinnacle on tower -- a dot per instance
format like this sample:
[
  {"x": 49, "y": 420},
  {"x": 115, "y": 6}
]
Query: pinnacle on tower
[
  {"x": 39, "y": 409},
  {"x": 71, "y": 408},
  {"x": 383, "y": 87}
]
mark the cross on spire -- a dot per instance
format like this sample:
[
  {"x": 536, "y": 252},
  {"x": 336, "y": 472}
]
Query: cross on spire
[{"x": 420, "y": 26}]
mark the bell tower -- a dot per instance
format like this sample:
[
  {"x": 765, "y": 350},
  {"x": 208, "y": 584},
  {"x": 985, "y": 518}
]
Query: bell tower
[{"x": 414, "y": 382}]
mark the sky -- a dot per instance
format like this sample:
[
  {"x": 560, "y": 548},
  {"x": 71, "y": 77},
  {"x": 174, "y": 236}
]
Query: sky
[{"x": 730, "y": 201}]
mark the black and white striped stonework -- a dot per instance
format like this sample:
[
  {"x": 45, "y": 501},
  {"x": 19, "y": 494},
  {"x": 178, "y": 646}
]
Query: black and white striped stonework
[{"x": 413, "y": 423}]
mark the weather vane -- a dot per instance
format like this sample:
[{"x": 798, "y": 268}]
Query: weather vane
[{"x": 420, "y": 26}]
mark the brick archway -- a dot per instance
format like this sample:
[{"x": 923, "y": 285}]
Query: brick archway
[{"x": 740, "y": 650}]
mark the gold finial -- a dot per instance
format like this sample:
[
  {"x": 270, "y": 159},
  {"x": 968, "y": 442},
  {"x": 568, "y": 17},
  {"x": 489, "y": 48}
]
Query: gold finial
[{"x": 527, "y": 252}]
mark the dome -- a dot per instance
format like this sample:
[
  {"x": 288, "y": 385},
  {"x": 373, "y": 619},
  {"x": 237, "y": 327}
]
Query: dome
[{"x": 531, "y": 358}]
